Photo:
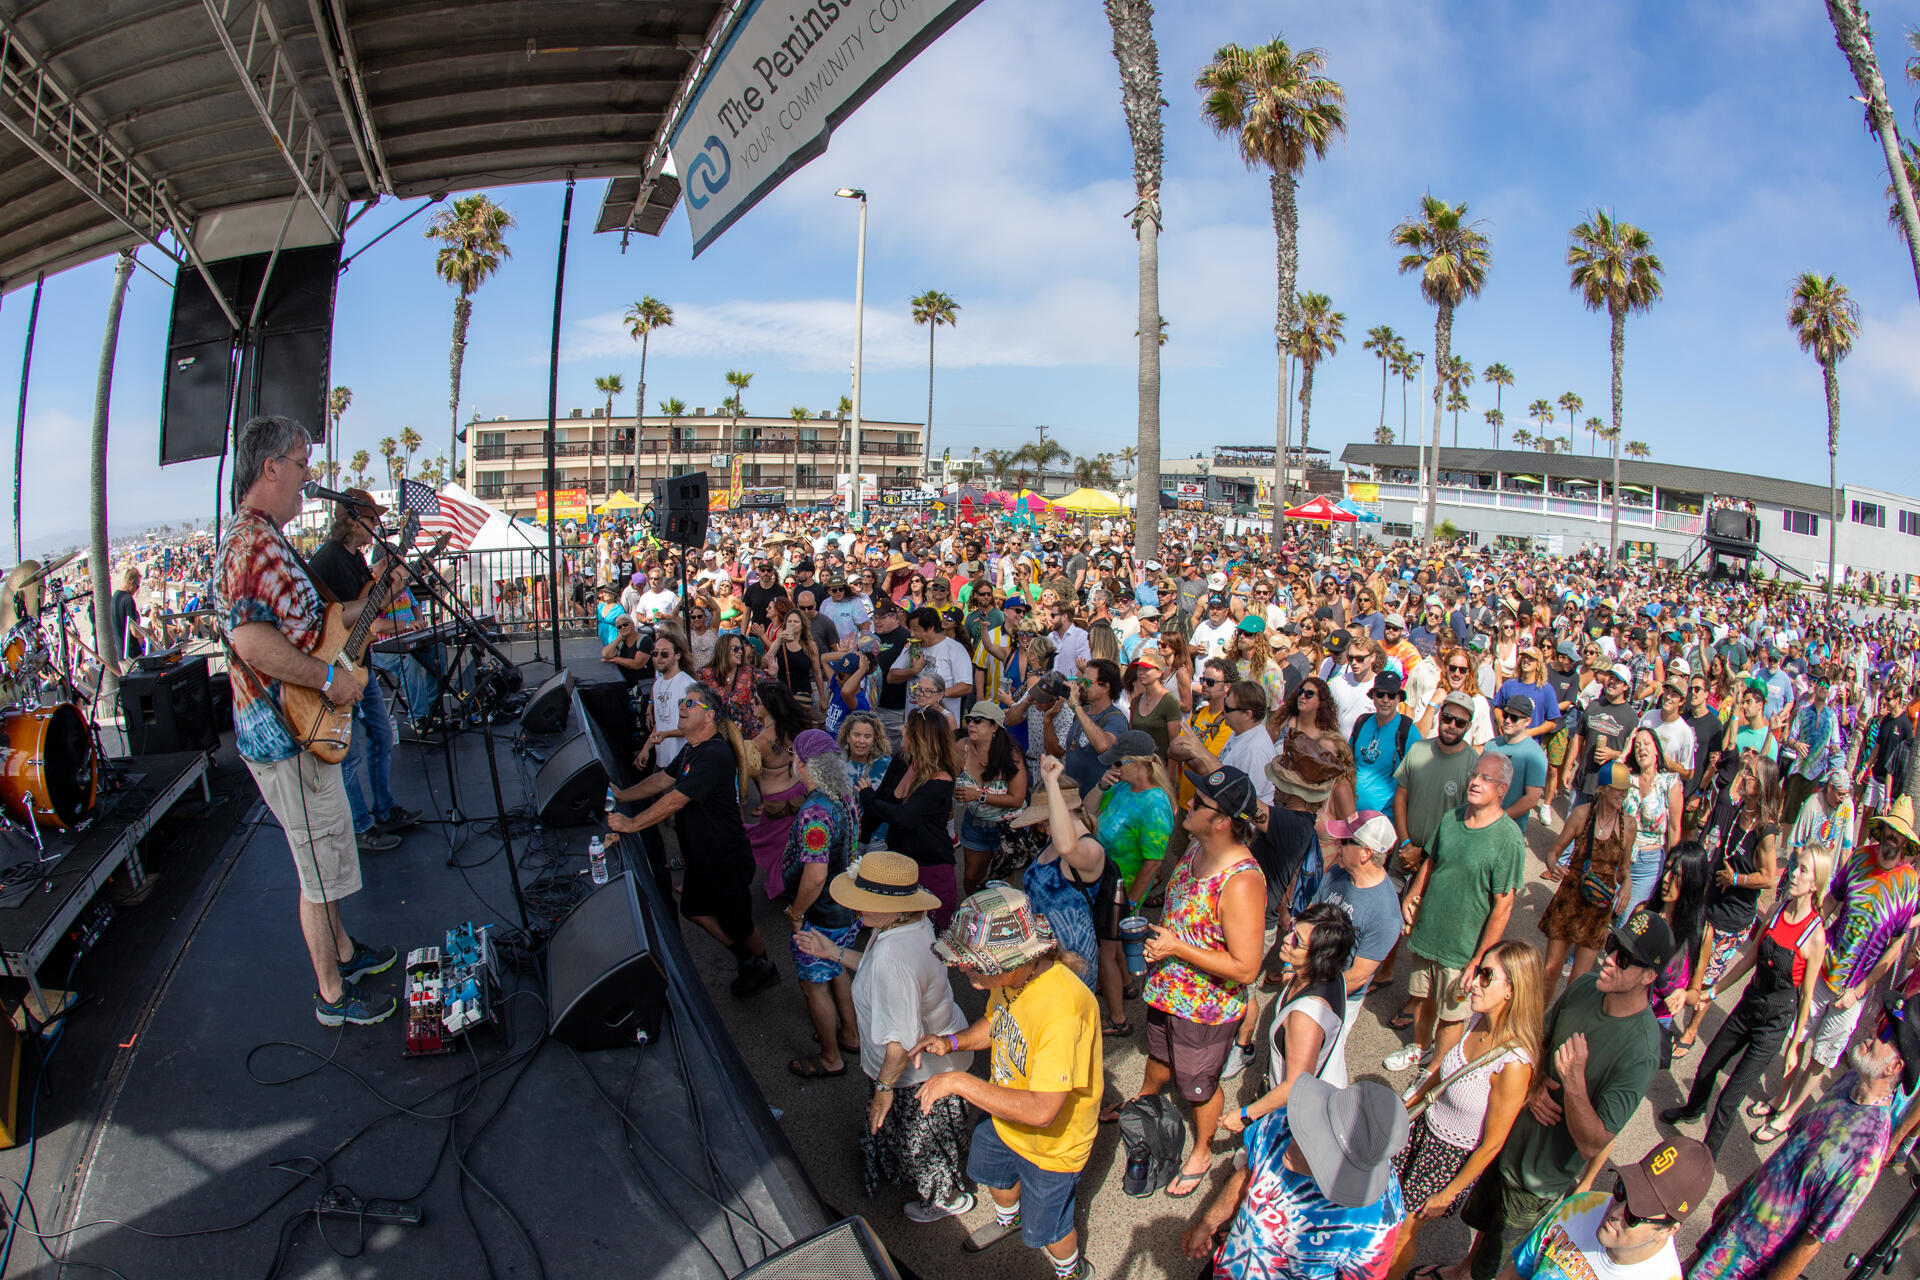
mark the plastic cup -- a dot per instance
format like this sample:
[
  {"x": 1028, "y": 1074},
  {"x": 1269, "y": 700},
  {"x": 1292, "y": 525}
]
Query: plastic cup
[{"x": 1133, "y": 943}]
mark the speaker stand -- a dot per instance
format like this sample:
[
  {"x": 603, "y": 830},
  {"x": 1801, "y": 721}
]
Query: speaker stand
[{"x": 506, "y": 832}]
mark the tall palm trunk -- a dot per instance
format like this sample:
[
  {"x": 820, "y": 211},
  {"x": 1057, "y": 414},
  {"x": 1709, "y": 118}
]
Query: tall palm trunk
[
  {"x": 1856, "y": 42},
  {"x": 462, "y": 314},
  {"x": 1146, "y": 487},
  {"x": 1833, "y": 466},
  {"x": 926, "y": 437},
  {"x": 1442, "y": 346},
  {"x": 640, "y": 415},
  {"x": 1306, "y": 402},
  {"x": 1286, "y": 230},
  {"x": 1383, "y": 391},
  {"x": 1619, "y": 343},
  {"x": 1403, "y": 410},
  {"x": 99, "y": 571}
]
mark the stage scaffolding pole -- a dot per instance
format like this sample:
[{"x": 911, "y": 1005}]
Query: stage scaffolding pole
[{"x": 553, "y": 415}]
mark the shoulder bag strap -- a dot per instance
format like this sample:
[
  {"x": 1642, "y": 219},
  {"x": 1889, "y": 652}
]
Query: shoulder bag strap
[{"x": 1414, "y": 1111}]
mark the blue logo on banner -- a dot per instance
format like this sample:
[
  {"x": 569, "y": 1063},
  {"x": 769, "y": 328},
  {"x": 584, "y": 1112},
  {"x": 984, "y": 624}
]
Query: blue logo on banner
[{"x": 708, "y": 172}]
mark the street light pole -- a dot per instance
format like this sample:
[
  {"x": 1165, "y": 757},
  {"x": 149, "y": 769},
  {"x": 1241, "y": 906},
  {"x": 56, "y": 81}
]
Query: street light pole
[
  {"x": 1420, "y": 359},
  {"x": 859, "y": 315}
]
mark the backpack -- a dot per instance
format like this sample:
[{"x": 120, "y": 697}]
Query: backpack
[
  {"x": 1400, "y": 735},
  {"x": 1155, "y": 1136}
]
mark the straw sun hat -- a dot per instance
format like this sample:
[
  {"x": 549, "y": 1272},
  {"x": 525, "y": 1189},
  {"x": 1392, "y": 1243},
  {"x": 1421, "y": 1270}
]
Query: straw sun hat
[{"x": 882, "y": 881}]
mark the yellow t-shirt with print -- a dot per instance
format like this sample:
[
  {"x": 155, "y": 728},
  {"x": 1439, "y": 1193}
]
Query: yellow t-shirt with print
[
  {"x": 1047, "y": 1039},
  {"x": 1213, "y": 731}
]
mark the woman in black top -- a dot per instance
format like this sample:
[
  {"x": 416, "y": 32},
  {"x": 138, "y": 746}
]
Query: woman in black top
[
  {"x": 627, "y": 654},
  {"x": 794, "y": 660},
  {"x": 1742, "y": 837},
  {"x": 915, "y": 800}
]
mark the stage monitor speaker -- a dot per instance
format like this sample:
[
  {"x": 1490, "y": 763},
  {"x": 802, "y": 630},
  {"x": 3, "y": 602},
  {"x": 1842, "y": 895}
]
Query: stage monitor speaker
[
  {"x": 604, "y": 986},
  {"x": 284, "y": 368},
  {"x": 1729, "y": 525},
  {"x": 571, "y": 788},
  {"x": 847, "y": 1250},
  {"x": 170, "y": 709},
  {"x": 546, "y": 711},
  {"x": 680, "y": 509}
]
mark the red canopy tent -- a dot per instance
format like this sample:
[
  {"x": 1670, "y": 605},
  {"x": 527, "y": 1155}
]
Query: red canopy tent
[{"x": 1320, "y": 508}]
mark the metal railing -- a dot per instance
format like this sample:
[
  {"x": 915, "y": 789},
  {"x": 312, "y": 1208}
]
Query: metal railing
[
  {"x": 511, "y": 585},
  {"x": 535, "y": 452},
  {"x": 1632, "y": 511}
]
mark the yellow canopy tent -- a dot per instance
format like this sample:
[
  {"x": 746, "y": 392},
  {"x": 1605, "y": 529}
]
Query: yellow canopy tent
[
  {"x": 1090, "y": 502},
  {"x": 620, "y": 501}
]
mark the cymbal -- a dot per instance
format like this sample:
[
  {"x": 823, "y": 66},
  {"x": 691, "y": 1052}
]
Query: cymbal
[
  {"x": 23, "y": 584},
  {"x": 48, "y": 570}
]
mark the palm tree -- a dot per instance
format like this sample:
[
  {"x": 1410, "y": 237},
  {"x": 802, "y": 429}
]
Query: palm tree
[
  {"x": 674, "y": 409},
  {"x": 472, "y": 232},
  {"x": 410, "y": 443},
  {"x": 932, "y": 309},
  {"x": 1406, "y": 367},
  {"x": 1910, "y": 161},
  {"x": 1141, "y": 101},
  {"x": 1318, "y": 335},
  {"x": 389, "y": 447},
  {"x": 735, "y": 404},
  {"x": 801, "y": 415},
  {"x": 1573, "y": 404},
  {"x": 1497, "y": 376},
  {"x": 1826, "y": 320},
  {"x": 841, "y": 411},
  {"x": 1128, "y": 456},
  {"x": 1614, "y": 269},
  {"x": 1496, "y": 420},
  {"x": 337, "y": 401},
  {"x": 1593, "y": 426},
  {"x": 1281, "y": 108},
  {"x": 999, "y": 465},
  {"x": 1458, "y": 375},
  {"x": 1452, "y": 257},
  {"x": 1855, "y": 39},
  {"x": 642, "y": 318},
  {"x": 359, "y": 463},
  {"x": 1383, "y": 434},
  {"x": 1610, "y": 434},
  {"x": 433, "y": 472},
  {"x": 1381, "y": 340},
  {"x": 1541, "y": 411},
  {"x": 1639, "y": 449},
  {"x": 610, "y": 385},
  {"x": 1522, "y": 438},
  {"x": 98, "y": 566}
]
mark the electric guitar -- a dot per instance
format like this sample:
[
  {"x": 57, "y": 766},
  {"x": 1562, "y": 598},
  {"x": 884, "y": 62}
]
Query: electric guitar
[{"x": 316, "y": 722}]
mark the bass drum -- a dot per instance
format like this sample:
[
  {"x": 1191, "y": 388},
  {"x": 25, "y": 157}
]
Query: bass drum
[{"x": 46, "y": 762}]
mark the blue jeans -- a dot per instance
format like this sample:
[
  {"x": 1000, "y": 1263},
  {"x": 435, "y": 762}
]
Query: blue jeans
[
  {"x": 370, "y": 757},
  {"x": 418, "y": 674},
  {"x": 1646, "y": 874}
]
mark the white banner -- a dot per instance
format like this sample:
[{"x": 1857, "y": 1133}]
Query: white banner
[
  {"x": 1188, "y": 489},
  {"x": 785, "y": 77}
]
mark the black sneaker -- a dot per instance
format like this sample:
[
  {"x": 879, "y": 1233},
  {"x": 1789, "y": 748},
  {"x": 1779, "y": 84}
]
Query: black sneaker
[
  {"x": 755, "y": 976},
  {"x": 374, "y": 840},
  {"x": 399, "y": 818},
  {"x": 366, "y": 960},
  {"x": 352, "y": 1006},
  {"x": 1679, "y": 1115}
]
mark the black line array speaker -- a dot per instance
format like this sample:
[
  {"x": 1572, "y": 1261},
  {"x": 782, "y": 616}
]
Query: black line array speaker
[
  {"x": 283, "y": 370},
  {"x": 604, "y": 986},
  {"x": 848, "y": 1250},
  {"x": 1727, "y": 524},
  {"x": 546, "y": 711},
  {"x": 170, "y": 709},
  {"x": 571, "y": 788},
  {"x": 680, "y": 509}
]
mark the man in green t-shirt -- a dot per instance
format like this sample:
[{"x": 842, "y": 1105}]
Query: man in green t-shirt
[
  {"x": 1601, "y": 1049},
  {"x": 1459, "y": 906}
]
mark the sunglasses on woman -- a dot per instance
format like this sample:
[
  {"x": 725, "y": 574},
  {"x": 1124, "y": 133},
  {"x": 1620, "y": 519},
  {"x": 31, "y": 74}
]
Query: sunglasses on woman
[{"x": 1485, "y": 975}]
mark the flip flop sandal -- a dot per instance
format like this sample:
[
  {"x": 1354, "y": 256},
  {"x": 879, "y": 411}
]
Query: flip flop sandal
[
  {"x": 1196, "y": 1179},
  {"x": 1400, "y": 1021},
  {"x": 1681, "y": 1048},
  {"x": 815, "y": 1069},
  {"x": 1124, "y": 1027},
  {"x": 1760, "y": 1109},
  {"x": 1767, "y": 1133},
  {"x": 1553, "y": 872}
]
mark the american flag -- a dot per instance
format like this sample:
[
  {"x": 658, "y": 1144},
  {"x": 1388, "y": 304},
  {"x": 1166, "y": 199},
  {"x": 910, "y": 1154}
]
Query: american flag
[{"x": 443, "y": 513}]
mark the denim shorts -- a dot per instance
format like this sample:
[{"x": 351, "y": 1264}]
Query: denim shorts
[
  {"x": 1046, "y": 1195},
  {"x": 982, "y": 836}
]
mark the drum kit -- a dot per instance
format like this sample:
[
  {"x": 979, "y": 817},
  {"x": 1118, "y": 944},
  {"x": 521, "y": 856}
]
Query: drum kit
[{"x": 49, "y": 760}]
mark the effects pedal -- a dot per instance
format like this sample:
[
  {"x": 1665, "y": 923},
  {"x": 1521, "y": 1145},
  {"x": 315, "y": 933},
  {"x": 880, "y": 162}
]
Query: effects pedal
[{"x": 349, "y": 1207}]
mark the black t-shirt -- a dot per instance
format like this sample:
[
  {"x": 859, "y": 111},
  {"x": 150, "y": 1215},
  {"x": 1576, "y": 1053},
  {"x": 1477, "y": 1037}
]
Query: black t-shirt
[
  {"x": 893, "y": 697},
  {"x": 710, "y": 824},
  {"x": 1708, "y": 734},
  {"x": 126, "y": 613},
  {"x": 1608, "y": 724},
  {"x": 1566, "y": 689},
  {"x": 758, "y": 597},
  {"x": 340, "y": 571},
  {"x": 1281, "y": 850},
  {"x": 628, "y": 650},
  {"x": 1729, "y": 844}
]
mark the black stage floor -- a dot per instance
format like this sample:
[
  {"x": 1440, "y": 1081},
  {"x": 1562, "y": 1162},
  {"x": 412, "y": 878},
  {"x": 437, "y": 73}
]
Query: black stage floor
[{"x": 228, "y": 1110}]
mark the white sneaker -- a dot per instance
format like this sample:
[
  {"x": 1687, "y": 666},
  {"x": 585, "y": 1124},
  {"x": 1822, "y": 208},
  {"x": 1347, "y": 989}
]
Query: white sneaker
[
  {"x": 1238, "y": 1059},
  {"x": 934, "y": 1210},
  {"x": 1545, "y": 813},
  {"x": 1411, "y": 1056}
]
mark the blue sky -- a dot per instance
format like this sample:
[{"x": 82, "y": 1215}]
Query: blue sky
[{"x": 999, "y": 171}]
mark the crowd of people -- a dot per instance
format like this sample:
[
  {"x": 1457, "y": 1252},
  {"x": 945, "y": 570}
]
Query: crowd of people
[{"x": 1278, "y": 773}]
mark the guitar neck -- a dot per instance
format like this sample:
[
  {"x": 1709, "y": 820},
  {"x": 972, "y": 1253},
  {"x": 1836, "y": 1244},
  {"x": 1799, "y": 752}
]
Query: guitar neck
[{"x": 376, "y": 599}]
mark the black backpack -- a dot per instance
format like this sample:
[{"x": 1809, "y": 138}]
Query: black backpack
[
  {"x": 1400, "y": 734},
  {"x": 1155, "y": 1137}
]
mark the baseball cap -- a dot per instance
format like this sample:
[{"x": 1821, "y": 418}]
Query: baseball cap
[
  {"x": 1457, "y": 699},
  {"x": 1516, "y": 704},
  {"x": 1253, "y": 624},
  {"x": 1217, "y": 581},
  {"x": 1670, "y": 1180},
  {"x": 1622, "y": 672},
  {"x": 1368, "y": 827},
  {"x": 1397, "y": 620},
  {"x": 1389, "y": 682},
  {"x": 1217, "y": 602},
  {"x": 1125, "y": 745},
  {"x": 1567, "y": 649},
  {"x": 1680, "y": 666},
  {"x": 1338, "y": 641},
  {"x": 1014, "y": 602},
  {"x": 985, "y": 710},
  {"x": 1228, "y": 789},
  {"x": 1646, "y": 937},
  {"x": 1147, "y": 611}
]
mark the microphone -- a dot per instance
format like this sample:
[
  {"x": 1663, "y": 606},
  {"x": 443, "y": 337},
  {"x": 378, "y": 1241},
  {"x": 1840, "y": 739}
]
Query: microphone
[{"x": 314, "y": 489}]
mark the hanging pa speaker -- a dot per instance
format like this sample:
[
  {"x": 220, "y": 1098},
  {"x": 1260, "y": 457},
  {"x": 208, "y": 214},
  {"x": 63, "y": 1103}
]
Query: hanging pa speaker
[
  {"x": 571, "y": 787},
  {"x": 546, "y": 711},
  {"x": 680, "y": 509},
  {"x": 604, "y": 986}
]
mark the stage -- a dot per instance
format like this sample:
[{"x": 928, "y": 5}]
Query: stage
[{"x": 217, "y": 1111}]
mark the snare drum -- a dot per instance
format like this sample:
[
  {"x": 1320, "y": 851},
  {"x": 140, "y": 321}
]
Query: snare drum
[{"x": 46, "y": 762}]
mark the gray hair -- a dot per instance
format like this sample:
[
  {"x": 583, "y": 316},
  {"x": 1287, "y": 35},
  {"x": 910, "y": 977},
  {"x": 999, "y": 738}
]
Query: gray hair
[
  {"x": 1504, "y": 763},
  {"x": 828, "y": 772},
  {"x": 264, "y": 437}
]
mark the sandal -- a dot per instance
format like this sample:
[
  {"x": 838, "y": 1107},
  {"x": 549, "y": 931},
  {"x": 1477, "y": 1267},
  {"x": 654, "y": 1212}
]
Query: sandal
[
  {"x": 1681, "y": 1049},
  {"x": 1111, "y": 1114},
  {"x": 1552, "y": 871},
  {"x": 1124, "y": 1027},
  {"x": 1401, "y": 1021},
  {"x": 815, "y": 1069},
  {"x": 1194, "y": 1181},
  {"x": 1768, "y": 1132},
  {"x": 1761, "y": 1109}
]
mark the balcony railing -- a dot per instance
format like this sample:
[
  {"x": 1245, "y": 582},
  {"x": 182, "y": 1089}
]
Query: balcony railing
[
  {"x": 1632, "y": 511},
  {"x": 535, "y": 453}
]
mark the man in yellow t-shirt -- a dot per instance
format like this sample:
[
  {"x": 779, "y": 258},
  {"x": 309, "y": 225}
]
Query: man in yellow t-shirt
[{"x": 1042, "y": 1095}]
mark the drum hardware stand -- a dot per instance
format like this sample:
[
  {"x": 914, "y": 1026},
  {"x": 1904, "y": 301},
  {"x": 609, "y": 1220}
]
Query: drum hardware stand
[{"x": 1885, "y": 1253}]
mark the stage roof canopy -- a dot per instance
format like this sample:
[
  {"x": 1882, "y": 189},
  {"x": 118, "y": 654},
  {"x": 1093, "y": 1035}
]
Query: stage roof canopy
[{"x": 197, "y": 122}]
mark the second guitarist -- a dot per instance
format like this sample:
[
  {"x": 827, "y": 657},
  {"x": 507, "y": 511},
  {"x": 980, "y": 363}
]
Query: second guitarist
[{"x": 340, "y": 566}]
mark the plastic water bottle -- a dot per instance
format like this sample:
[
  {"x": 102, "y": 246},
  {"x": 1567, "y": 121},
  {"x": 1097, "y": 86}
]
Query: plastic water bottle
[{"x": 597, "y": 858}]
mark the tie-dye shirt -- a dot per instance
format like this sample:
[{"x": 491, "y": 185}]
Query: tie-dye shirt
[
  {"x": 1566, "y": 1246},
  {"x": 1286, "y": 1230},
  {"x": 256, "y": 579},
  {"x": 1811, "y": 1185},
  {"x": 1877, "y": 906}
]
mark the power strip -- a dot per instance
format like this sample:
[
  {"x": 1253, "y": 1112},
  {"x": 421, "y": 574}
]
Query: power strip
[{"x": 351, "y": 1208}]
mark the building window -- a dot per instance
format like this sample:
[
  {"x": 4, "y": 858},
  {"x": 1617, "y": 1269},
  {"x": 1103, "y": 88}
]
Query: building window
[
  {"x": 1910, "y": 522},
  {"x": 1870, "y": 513},
  {"x": 1800, "y": 522}
]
